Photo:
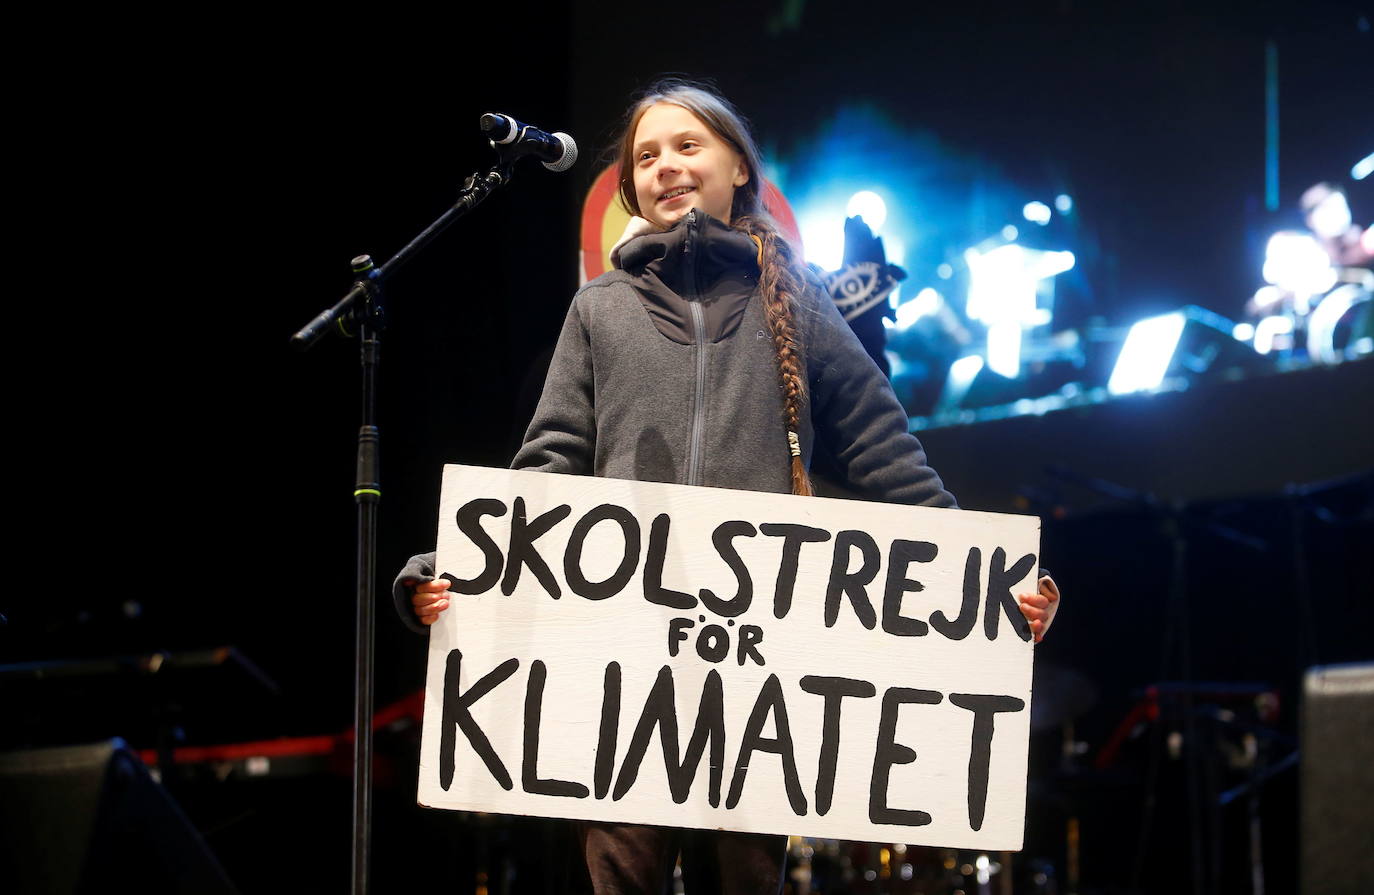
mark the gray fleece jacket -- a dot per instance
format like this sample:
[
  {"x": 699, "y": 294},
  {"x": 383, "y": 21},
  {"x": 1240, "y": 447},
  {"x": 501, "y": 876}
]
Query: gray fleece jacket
[{"x": 665, "y": 372}]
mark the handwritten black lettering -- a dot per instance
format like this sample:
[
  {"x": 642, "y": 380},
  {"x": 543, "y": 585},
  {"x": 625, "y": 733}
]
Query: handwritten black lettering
[
  {"x": 899, "y": 556},
  {"x": 572, "y": 556},
  {"x": 522, "y": 551},
  {"x": 654, "y": 591},
  {"x": 456, "y": 716},
  {"x": 744, "y": 593},
  {"x": 890, "y": 752},
  {"x": 852, "y": 584},
  {"x": 769, "y": 702},
  {"x": 530, "y": 780},
  {"x": 469, "y": 522},
  {"x": 833, "y": 690},
  {"x": 985, "y": 709},
  {"x": 793, "y": 537}
]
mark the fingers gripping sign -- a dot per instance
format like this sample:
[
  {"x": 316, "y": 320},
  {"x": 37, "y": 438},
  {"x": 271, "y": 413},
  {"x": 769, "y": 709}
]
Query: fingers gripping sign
[
  {"x": 430, "y": 598},
  {"x": 1039, "y": 608}
]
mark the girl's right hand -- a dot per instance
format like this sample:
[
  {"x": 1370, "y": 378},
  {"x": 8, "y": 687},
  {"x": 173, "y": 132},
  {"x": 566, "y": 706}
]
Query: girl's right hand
[{"x": 429, "y": 599}]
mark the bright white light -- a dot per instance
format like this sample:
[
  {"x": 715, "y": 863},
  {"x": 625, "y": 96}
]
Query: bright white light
[
  {"x": 1266, "y": 297},
  {"x": 963, "y": 371},
  {"x": 1004, "y": 349},
  {"x": 1321, "y": 326},
  {"x": 868, "y": 205},
  {"x": 1054, "y": 263},
  {"x": 926, "y": 302},
  {"x": 1363, "y": 168},
  {"x": 1145, "y": 357},
  {"x": 1000, "y": 287},
  {"x": 1037, "y": 213},
  {"x": 1009, "y": 232},
  {"x": 823, "y": 236},
  {"x": 1002, "y": 294},
  {"x": 1269, "y": 329},
  {"x": 1331, "y": 216},
  {"x": 1296, "y": 262},
  {"x": 1063, "y": 203},
  {"x": 895, "y": 251},
  {"x": 1003, "y": 282},
  {"x": 944, "y": 271},
  {"x": 1243, "y": 332}
]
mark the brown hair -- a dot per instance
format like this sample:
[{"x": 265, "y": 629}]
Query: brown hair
[{"x": 780, "y": 277}]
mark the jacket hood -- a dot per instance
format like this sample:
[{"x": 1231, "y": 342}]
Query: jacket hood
[{"x": 699, "y": 259}]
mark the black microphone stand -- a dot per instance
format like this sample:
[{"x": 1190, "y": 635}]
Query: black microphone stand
[{"x": 362, "y": 305}]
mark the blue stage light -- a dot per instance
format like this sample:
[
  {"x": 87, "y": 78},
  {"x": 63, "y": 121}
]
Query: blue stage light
[
  {"x": 925, "y": 303},
  {"x": 869, "y": 206},
  {"x": 1037, "y": 213},
  {"x": 1297, "y": 263},
  {"x": 822, "y": 232},
  {"x": 1145, "y": 356}
]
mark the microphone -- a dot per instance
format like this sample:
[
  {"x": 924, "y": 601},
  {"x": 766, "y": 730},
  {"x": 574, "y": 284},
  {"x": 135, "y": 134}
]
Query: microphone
[{"x": 556, "y": 150}]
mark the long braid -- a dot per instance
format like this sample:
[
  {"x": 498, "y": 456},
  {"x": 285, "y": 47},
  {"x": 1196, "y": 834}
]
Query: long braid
[{"x": 778, "y": 284}]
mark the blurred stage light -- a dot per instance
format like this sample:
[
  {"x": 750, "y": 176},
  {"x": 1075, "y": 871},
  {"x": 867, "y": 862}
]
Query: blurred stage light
[
  {"x": 823, "y": 235},
  {"x": 1004, "y": 349},
  {"x": 1296, "y": 263},
  {"x": 962, "y": 373},
  {"x": 1003, "y": 284},
  {"x": 1329, "y": 329},
  {"x": 869, "y": 206},
  {"x": 1363, "y": 168},
  {"x": 1063, "y": 203},
  {"x": 1269, "y": 330},
  {"x": 1266, "y": 297},
  {"x": 944, "y": 271},
  {"x": 1037, "y": 213},
  {"x": 1145, "y": 357},
  {"x": 1331, "y": 217},
  {"x": 1054, "y": 263},
  {"x": 926, "y": 302},
  {"x": 999, "y": 285},
  {"x": 895, "y": 252},
  {"x": 1190, "y": 345},
  {"x": 1009, "y": 233},
  {"x": 1243, "y": 332}
]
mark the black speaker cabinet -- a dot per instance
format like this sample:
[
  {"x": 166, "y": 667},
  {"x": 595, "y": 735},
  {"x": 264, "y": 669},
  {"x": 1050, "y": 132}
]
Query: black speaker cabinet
[
  {"x": 77, "y": 819},
  {"x": 1338, "y": 780}
]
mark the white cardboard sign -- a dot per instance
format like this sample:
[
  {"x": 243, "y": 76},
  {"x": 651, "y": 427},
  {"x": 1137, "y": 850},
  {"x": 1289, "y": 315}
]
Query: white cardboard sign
[{"x": 703, "y": 657}]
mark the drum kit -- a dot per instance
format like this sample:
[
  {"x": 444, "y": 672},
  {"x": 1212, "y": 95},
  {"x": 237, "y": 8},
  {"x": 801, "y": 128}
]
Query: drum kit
[{"x": 1318, "y": 296}]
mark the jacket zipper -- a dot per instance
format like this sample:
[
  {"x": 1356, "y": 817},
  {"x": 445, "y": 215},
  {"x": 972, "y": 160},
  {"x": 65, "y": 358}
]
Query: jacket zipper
[{"x": 698, "y": 325}]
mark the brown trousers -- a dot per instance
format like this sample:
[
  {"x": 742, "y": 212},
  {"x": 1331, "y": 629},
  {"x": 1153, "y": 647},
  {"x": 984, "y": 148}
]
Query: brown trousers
[{"x": 631, "y": 859}]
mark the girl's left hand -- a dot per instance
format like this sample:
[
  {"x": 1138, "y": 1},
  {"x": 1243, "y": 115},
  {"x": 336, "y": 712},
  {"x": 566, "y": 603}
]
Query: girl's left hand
[{"x": 1039, "y": 609}]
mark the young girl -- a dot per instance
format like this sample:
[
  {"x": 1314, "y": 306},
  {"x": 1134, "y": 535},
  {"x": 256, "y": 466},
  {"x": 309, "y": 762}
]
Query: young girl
[{"x": 709, "y": 356}]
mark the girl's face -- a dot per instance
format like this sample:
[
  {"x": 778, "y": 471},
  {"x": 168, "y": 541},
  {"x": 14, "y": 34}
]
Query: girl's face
[{"x": 680, "y": 163}]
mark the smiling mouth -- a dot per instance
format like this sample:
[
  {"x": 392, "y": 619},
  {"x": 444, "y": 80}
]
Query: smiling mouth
[{"x": 674, "y": 193}]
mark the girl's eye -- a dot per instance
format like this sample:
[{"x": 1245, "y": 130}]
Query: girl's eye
[
  {"x": 645, "y": 156},
  {"x": 690, "y": 144}
]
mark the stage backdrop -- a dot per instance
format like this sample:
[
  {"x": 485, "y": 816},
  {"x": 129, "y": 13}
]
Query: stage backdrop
[{"x": 702, "y": 657}]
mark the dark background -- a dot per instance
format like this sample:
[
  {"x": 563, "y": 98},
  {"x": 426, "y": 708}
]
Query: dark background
[{"x": 305, "y": 144}]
